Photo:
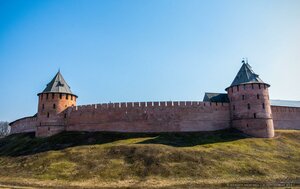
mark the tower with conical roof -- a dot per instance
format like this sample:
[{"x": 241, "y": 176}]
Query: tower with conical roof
[
  {"x": 52, "y": 106},
  {"x": 249, "y": 104}
]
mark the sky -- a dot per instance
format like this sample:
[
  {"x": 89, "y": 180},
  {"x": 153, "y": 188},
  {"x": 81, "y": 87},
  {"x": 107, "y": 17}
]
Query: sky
[{"x": 144, "y": 50}]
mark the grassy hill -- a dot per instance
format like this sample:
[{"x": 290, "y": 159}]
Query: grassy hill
[{"x": 168, "y": 160}]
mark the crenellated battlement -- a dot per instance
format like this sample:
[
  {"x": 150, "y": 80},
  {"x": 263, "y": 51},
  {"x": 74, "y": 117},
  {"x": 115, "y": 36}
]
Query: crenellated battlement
[
  {"x": 285, "y": 109},
  {"x": 154, "y": 104}
]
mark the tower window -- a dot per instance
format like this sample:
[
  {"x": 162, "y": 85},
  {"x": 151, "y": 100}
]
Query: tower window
[
  {"x": 259, "y": 86},
  {"x": 264, "y": 86},
  {"x": 254, "y": 115},
  {"x": 248, "y": 106},
  {"x": 232, "y": 89},
  {"x": 71, "y": 97},
  {"x": 43, "y": 106},
  {"x": 247, "y": 125},
  {"x": 65, "y": 116},
  {"x": 244, "y": 86},
  {"x": 257, "y": 96},
  {"x": 52, "y": 95},
  {"x": 243, "y": 97},
  {"x": 67, "y": 96},
  {"x": 48, "y": 128},
  {"x": 237, "y": 88},
  {"x": 263, "y": 105},
  {"x": 48, "y": 114},
  {"x": 41, "y": 96},
  {"x": 252, "y": 86},
  {"x": 54, "y": 106},
  {"x": 47, "y": 96},
  {"x": 60, "y": 96}
]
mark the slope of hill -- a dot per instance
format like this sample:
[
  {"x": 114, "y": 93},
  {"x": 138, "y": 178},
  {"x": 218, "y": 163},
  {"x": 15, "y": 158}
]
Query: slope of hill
[{"x": 165, "y": 160}]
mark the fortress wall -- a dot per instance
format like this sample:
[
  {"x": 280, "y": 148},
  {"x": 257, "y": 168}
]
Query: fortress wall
[
  {"x": 24, "y": 125},
  {"x": 149, "y": 117},
  {"x": 286, "y": 117}
]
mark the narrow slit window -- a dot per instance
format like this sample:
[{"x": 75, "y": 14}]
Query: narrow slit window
[
  {"x": 259, "y": 86},
  {"x": 257, "y": 96},
  {"x": 263, "y": 105},
  {"x": 252, "y": 86},
  {"x": 43, "y": 106},
  {"x": 52, "y": 95},
  {"x": 47, "y": 96},
  {"x": 243, "y": 97},
  {"x": 65, "y": 115},
  {"x": 254, "y": 115},
  {"x": 237, "y": 88},
  {"x": 249, "y": 106},
  {"x": 60, "y": 96},
  {"x": 67, "y": 96},
  {"x": 48, "y": 114},
  {"x": 54, "y": 106},
  {"x": 244, "y": 86}
]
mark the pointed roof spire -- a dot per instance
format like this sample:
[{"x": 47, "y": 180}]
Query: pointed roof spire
[
  {"x": 246, "y": 75},
  {"x": 58, "y": 85}
]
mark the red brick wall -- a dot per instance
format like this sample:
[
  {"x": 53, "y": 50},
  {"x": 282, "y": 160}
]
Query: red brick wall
[
  {"x": 24, "y": 125},
  {"x": 149, "y": 117},
  {"x": 251, "y": 110},
  {"x": 286, "y": 117}
]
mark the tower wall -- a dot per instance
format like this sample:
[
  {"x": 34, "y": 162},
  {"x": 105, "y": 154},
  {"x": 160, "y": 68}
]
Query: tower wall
[
  {"x": 51, "y": 112},
  {"x": 250, "y": 109}
]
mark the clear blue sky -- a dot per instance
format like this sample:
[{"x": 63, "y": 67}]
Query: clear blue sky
[{"x": 144, "y": 50}]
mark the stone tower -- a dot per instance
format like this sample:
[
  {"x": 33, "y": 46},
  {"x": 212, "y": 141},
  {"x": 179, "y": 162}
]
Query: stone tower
[
  {"x": 249, "y": 104},
  {"x": 52, "y": 106}
]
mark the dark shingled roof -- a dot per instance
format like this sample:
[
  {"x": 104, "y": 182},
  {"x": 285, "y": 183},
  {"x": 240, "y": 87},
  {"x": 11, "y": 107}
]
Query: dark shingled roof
[
  {"x": 246, "y": 75},
  {"x": 215, "y": 97},
  {"x": 58, "y": 85}
]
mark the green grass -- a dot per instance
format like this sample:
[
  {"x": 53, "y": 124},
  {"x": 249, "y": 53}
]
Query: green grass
[{"x": 167, "y": 160}]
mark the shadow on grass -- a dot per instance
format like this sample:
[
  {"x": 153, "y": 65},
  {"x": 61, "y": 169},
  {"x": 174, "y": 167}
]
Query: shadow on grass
[{"x": 27, "y": 144}]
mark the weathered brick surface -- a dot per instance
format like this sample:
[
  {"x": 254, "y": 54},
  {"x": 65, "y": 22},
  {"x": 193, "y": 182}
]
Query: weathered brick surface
[
  {"x": 286, "y": 117},
  {"x": 157, "y": 117},
  {"x": 24, "y": 125},
  {"x": 251, "y": 110},
  {"x": 149, "y": 117},
  {"x": 52, "y": 115}
]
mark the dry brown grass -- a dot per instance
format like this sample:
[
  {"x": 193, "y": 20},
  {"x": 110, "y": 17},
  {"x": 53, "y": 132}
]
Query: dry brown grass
[{"x": 114, "y": 160}]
